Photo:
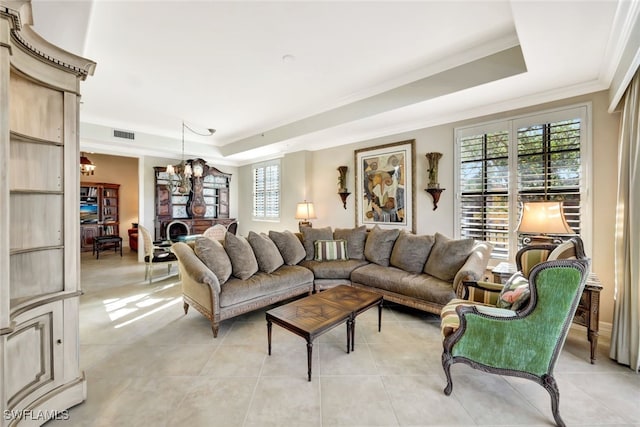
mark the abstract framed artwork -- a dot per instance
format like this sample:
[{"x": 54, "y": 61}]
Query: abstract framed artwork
[{"x": 385, "y": 186}]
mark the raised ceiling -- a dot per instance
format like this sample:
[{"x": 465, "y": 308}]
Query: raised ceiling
[{"x": 276, "y": 77}]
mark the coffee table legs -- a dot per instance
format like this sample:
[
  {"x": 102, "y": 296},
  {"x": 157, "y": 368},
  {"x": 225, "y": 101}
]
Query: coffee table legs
[
  {"x": 350, "y": 327},
  {"x": 309, "y": 357},
  {"x": 269, "y": 327}
]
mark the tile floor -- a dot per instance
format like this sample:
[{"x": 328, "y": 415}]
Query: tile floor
[{"x": 148, "y": 364}]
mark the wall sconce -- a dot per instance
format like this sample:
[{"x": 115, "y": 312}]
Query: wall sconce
[
  {"x": 543, "y": 219},
  {"x": 342, "y": 185},
  {"x": 305, "y": 211},
  {"x": 433, "y": 186}
]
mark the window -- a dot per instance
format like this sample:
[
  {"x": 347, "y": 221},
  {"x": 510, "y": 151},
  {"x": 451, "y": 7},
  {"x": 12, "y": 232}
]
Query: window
[
  {"x": 501, "y": 164},
  {"x": 266, "y": 190}
]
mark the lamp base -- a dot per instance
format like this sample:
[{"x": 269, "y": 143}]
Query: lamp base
[
  {"x": 303, "y": 224},
  {"x": 540, "y": 240}
]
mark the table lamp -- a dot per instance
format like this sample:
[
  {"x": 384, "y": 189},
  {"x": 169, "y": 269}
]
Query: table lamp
[
  {"x": 542, "y": 219},
  {"x": 305, "y": 212}
]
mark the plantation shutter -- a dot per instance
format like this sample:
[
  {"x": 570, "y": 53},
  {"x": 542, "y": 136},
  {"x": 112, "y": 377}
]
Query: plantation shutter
[
  {"x": 549, "y": 166},
  {"x": 484, "y": 189},
  {"x": 266, "y": 190}
]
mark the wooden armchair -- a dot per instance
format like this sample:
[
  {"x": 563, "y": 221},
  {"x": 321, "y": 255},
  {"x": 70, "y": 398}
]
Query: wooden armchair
[{"x": 524, "y": 343}]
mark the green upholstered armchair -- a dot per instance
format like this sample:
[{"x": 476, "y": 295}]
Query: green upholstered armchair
[{"x": 524, "y": 343}]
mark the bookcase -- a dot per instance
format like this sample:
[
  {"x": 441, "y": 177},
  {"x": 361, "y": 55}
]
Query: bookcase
[
  {"x": 99, "y": 212},
  {"x": 39, "y": 233}
]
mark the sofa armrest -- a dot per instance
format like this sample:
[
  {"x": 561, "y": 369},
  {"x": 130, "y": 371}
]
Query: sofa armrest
[
  {"x": 193, "y": 270},
  {"x": 474, "y": 268}
]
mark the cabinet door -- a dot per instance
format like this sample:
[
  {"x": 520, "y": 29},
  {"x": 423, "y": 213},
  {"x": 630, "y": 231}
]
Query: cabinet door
[
  {"x": 223, "y": 207},
  {"x": 33, "y": 353}
]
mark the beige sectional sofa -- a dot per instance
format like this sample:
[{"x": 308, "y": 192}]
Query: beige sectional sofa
[{"x": 225, "y": 279}]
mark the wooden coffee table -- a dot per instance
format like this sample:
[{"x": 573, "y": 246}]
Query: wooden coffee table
[{"x": 314, "y": 315}]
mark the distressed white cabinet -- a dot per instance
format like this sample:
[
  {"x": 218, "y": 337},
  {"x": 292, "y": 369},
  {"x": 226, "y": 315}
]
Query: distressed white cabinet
[{"x": 39, "y": 231}]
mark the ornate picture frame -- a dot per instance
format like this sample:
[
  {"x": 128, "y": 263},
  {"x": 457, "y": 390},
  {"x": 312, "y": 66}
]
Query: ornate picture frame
[{"x": 385, "y": 185}]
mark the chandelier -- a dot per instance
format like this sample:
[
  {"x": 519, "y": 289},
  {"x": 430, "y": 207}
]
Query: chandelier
[
  {"x": 86, "y": 166},
  {"x": 181, "y": 174}
]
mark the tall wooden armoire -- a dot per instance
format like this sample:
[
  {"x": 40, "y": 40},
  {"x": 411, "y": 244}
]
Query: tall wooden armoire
[{"x": 39, "y": 226}]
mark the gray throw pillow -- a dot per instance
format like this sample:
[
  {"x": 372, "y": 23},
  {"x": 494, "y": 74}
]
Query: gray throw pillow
[
  {"x": 266, "y": 252},
  {"x": 213, "y": 255},
  {"x": 243, "y": 260},
  {"x": 310, "y": 235},
  {"x": 355, "y": 237},
  {"x": 410, "y": 252},
  {"x": 447, "y": 257},
  {"x": 289, "y": 245},
  {"x": 380, "y": 244}
]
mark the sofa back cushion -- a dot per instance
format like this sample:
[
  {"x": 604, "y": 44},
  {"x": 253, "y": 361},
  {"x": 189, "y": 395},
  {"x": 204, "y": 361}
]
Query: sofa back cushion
[
  {"x": 243, "y": 260},
  {"x": 289, "y": 245},
  {"x": 355, "y": 237},
  {"x": 330, "y": 250},
  {"x": 379, "y": 245},
  {"x": 310, "y": 235},
  {"x": 447, "y": 257},
  {"x": 213, "y": 255},
  {"x": 266, "y": 252},
  {"x": 410, "y": 252}
]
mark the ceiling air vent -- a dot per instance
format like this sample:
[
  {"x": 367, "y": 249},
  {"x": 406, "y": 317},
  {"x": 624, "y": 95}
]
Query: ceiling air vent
[{"x": 124, "y": 134}]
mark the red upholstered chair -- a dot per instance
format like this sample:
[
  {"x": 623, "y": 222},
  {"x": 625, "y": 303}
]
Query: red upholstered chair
[{"x": 133, "y": 239}]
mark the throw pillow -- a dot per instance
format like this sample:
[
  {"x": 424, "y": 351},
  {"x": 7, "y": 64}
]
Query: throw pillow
[
  {"x": 380, "y": 244},
  {"x": 355, "y": 237},
  {"x": 310, "y": 235},
  {"x": 329, "y": 250},
  {"x": 515, "y": 293},
  {"x": 243, "y": 260},
  {"x": 213, "y": 255},
  {"x": 266, "y": 252},
  {"x": 447, "y": 257},
  {"x": 289, "y": 245},
  {"x": 410, "y": 252}
]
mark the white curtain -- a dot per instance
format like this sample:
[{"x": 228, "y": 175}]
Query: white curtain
[{"x": 625, "y": 338}]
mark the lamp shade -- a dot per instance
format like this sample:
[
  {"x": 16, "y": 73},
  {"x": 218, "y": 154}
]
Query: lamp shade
[
  {"x": 543, "y": 218},
  {"x": 305, "y": 210}
]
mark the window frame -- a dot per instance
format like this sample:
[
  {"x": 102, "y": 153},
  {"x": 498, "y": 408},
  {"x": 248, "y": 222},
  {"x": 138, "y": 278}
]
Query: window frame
[
  {"x": 263, "y": 166},
  {"x": 511, "y": 125}
]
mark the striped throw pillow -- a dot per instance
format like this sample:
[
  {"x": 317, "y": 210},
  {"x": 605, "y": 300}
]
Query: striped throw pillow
[{"x": 329, "y": 250}]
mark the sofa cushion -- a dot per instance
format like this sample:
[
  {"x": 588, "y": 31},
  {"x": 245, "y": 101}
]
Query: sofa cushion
[
  {"x": 266, "y": 252},
  {"x": 213, "y": 255},
  {"x": 355, "y": 237},
  {"x": 392, "y": 279},
  {"x": 310, "y": 235},
  {"x": 243, "y": 260},
  {"x": 289, "y": 245},
  {"x": 330, "y": 250},
  {"x": 410, "y": 252},
  {"x": 515, "y": 293},
  {"x": 259, "y": 285},
  {"x": 447, "y": 257},
  {"x": 380, "y": 244},
  {"x": 333, "y": 269}
]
